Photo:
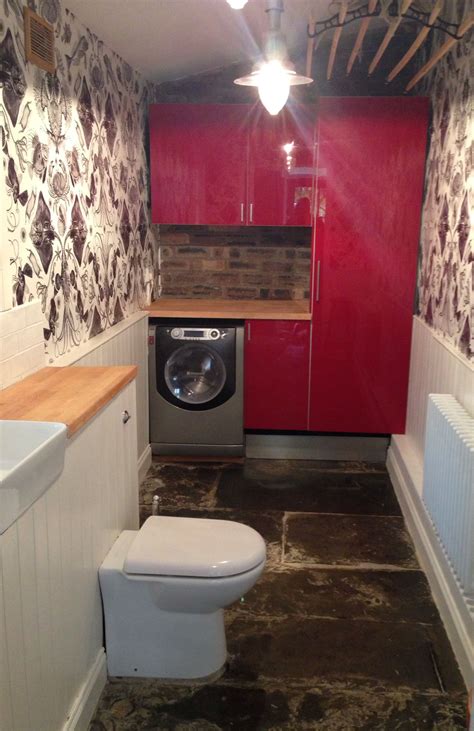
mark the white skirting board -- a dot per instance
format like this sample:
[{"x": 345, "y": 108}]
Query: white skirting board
[
  {"x": 84, "y": 706},
  {"x": 453, "y": 610}
]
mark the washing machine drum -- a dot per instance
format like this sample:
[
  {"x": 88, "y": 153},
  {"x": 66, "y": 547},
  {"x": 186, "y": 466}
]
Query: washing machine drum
[{"x": 195, "y": 374}]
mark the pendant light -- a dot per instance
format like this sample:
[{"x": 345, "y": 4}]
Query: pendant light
[{"x": 275, "y": 74}]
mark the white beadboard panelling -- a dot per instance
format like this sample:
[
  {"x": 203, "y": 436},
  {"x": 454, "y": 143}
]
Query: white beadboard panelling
[
  {"x": 15, "y": 656},
  {"x": 6, "y": 706},
  {"x": 434, "y": 368},
  {"x": 50, "y": 607},
  {"x": 123, "y": 344}
]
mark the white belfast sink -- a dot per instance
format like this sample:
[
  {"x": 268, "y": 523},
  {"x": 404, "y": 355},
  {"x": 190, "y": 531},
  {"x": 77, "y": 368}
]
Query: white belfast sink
[{"x": 31, "y": 459}]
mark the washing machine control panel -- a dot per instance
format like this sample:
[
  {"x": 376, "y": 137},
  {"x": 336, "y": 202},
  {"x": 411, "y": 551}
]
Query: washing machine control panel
[{"x": 196, "y": 333}]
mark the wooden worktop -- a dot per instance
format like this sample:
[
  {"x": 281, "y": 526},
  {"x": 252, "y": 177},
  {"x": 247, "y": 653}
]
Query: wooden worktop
[
  {"x": 220, "y": 309},
  {"x": 71, "y": 396}
]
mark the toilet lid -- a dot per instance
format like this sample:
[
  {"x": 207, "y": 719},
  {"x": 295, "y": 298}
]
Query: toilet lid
[{"x": 194, "y": 547}]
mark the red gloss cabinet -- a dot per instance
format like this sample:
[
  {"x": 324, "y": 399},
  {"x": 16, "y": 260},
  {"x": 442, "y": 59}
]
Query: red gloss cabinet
[
  {"x": 198, "y": 160},
  {"x": 370, "y": 164},
  {"x": 276, "y": 374},
  {"x": 231, "y": 164},
  {"x": 280, "y": 166}
]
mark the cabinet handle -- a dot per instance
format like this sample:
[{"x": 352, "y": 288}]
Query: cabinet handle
[
  {"x": 125, "y": 417},
  {"x": 241, "y": 213},
  {"x": 248, "y": 331},
  {"x": 251, "y": 213},
  {"x": 318, "y": 273}
]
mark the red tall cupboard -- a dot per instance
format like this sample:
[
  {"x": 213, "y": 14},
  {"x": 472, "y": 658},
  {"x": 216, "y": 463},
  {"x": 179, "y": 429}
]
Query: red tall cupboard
[{"x": 369, "y": 170}]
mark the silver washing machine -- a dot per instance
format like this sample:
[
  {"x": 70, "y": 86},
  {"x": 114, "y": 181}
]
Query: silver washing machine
[{"x": 196, "y": 387}]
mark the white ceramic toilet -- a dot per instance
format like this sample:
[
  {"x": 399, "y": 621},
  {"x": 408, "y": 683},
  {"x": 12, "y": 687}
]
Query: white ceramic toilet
[{"x": 164, "y": 588}]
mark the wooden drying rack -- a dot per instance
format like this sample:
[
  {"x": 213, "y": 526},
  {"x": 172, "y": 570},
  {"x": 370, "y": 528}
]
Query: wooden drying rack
[{"x": 397, "y": 13}]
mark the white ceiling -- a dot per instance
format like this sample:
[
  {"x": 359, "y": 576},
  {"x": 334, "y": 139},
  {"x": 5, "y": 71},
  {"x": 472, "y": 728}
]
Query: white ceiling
[{"x": 170, "y": 39}]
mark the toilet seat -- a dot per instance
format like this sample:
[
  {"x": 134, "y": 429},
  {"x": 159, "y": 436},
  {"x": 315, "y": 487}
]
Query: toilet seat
[{"x": 196, "y": 547}]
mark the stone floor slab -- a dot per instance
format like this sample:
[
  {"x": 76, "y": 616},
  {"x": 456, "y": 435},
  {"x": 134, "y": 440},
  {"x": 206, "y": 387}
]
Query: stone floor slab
[
  {"x": 332, "y": 650},
  {"x": 180, "y": 485},
  {"x": 301, "y": 487},
  {"x": 133, "y": 705},
  {"x": 402, "y": 596},
  {"x": 348, "y": 540}
]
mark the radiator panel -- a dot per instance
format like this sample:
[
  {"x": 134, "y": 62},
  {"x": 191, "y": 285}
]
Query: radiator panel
[{"x": 448, "y": 484}]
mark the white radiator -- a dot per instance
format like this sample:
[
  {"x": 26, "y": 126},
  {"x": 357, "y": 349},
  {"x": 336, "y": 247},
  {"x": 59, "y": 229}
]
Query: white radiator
[{"x": 448, "y": 485}]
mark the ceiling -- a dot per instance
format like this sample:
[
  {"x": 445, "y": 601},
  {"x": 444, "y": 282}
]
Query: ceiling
[{"x": 171, "y": 39}]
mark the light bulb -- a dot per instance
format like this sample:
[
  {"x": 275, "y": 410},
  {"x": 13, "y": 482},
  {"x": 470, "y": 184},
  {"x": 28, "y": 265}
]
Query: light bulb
[
  {"x": 237, "y": 4},
  {"x": 273, "y": 86}
]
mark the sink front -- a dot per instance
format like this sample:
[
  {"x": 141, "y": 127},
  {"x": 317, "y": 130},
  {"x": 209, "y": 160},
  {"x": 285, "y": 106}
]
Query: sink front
[{"x": 31, "y": 459}]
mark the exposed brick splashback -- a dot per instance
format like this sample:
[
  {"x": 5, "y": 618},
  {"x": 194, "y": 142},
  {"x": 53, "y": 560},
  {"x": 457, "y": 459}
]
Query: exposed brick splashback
[{"x": 235, "y": 263}]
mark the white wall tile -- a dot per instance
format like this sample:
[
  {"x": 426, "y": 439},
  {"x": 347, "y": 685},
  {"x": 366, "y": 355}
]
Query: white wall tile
[
  {"x": 9, "y": 346},
  {"x": 33, "y": 313},
  {"x": 21, "y": 342},
  {"x": 31, "y": 336}
]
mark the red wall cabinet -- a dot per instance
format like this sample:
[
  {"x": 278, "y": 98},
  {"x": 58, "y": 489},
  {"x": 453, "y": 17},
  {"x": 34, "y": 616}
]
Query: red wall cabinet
[
  {"x": 371, "y": 155},
  {"x": 231, "y": 164},
  {"x": 280, "y": 167},
  {"x": 198, "y": 163},
  {"x": 276, "y": 374}
]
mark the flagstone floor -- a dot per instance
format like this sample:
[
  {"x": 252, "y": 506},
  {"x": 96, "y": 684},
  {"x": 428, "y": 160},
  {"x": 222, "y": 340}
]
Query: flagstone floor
[{"x": 340, "y": 633}]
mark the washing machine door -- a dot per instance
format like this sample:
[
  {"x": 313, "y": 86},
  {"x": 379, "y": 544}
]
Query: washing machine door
[{"x": 195, "y": 374}]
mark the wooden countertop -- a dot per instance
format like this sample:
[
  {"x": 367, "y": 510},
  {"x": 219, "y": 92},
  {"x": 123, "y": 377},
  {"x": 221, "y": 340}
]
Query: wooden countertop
[
  {"x": 231, "y": 309},
  {"x": 71, "y": 395}
]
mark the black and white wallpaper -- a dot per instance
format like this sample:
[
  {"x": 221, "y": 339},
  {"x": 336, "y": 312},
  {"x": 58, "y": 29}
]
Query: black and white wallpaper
[
  {"x": 445, "y": 297},
  {"x": 77, "y": 221}
]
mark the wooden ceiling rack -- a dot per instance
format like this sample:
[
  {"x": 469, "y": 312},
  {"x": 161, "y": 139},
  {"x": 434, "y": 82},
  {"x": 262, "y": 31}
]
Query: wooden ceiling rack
[
  {"x": 418, "y": 42},
  {"x": 397, "y": 13},
  {"x": 442, "y": 51},
  {"x": 310, "y": 47},
  {"x": 364, "y": 26},
  {"x": 336, "y": 37},
  {"x": 391, "y": 30}
]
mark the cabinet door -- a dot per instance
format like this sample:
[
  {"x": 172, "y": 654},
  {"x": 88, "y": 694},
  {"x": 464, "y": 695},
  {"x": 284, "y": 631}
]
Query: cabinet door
[
  {"x": 198, "y": 163},
  {"x": 368, "y": 206},
  {"x": 276, "y": 371},
  {"x": 280, "y": 170}
]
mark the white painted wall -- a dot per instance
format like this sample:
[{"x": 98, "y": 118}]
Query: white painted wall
[{"x": 52, "y": 664}]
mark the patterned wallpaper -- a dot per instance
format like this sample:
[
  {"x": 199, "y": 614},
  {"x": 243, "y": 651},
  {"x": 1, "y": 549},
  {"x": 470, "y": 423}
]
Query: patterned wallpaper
[
  {"x": 445, "y": 299},
  {"x": 75, "y": 167}
]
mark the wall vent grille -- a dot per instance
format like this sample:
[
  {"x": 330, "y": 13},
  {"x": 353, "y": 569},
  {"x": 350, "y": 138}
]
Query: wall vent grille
[{"x": 39, "y": 41}]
